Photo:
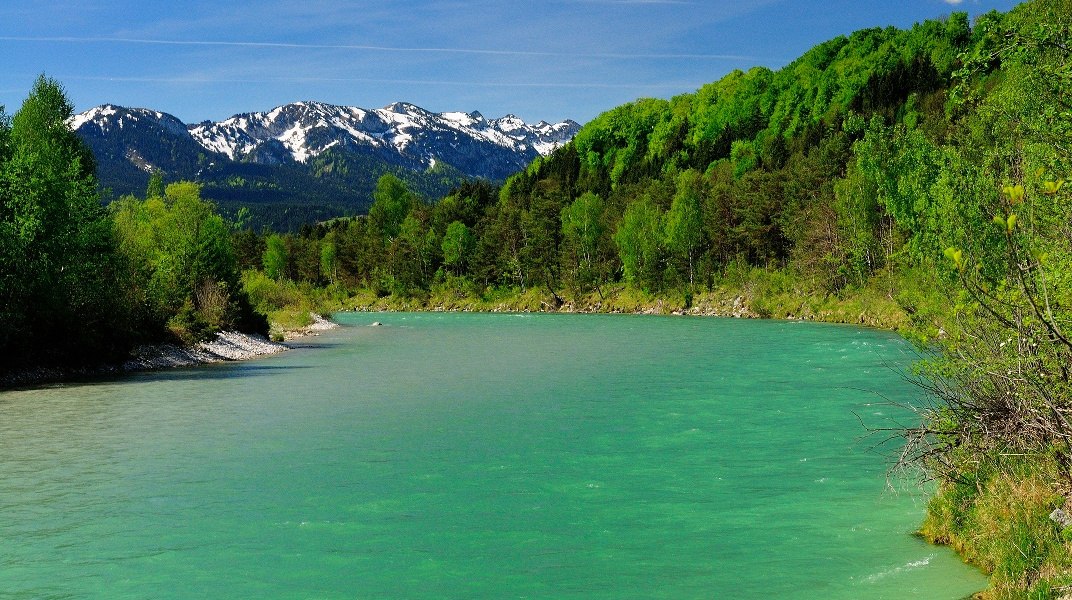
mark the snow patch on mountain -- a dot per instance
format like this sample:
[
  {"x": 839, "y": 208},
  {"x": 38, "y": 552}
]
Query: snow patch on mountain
[
  {"x": 107, "y": 116},
  {"x": 98, "y": 114}
]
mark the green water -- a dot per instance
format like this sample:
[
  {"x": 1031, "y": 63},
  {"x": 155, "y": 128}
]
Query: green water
[{"x": 477, "y": 456}]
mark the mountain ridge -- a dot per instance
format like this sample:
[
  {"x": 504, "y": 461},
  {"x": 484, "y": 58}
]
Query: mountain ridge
[
  {"x": 309, "y": 155},
  {"x": 239, "y": 136}
]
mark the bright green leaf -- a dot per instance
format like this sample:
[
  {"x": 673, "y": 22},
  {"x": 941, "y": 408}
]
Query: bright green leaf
[
  {"x": 1052, "y": 187},
  {"x": 1015, "y": 193}
]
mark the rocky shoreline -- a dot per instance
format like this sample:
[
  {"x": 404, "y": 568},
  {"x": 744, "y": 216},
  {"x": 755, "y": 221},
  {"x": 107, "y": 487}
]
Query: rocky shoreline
[{"x": 227, "y": 346}]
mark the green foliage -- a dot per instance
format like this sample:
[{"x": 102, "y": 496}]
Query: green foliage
[
  {"x": 80, "y": 284},
  {"x": 862, "y": 225},
  {"x": 1001, "y": 380},
  {"x": 156, "y": 185},
  {"x": 639, "y": 239},
  {"x": 582, "y": 241},
  {"x": 289, "y": 304},
  {"x": 617, "y": 141},
  {"x": 329, "y": 263},
  {"x": 411, "y": 256},
  {"x": 734, "y": 108},
  {"x": 458, "y": 245},
  {"x": 541, "y": 234},
  {"x": 275, "y": 257},
  {"x": 182, "y": 273},
  {"x": 998, "y": 517},
  {"x": 684, "y": 225},
  {"x": 58, "y": 267},
  {"x": 393, "y": 201}
]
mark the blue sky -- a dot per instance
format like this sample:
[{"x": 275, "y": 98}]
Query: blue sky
[{"x": 538, "y": 59}]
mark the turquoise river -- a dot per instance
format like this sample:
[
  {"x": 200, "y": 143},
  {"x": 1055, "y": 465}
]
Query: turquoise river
[{"x": 479, "y": 456}]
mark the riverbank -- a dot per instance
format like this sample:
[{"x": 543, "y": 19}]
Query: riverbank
[
  {"x": 226, "y": 346},
  {"x": 879, "y": 304},
  {"x": 1010, "y": 518}
]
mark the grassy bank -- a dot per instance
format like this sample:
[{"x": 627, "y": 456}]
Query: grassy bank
[
  {"x": 757, "y": 293},
  {"x": 997, "y": 517}
]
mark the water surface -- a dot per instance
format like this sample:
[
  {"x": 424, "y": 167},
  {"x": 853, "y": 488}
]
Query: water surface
[{"x": 478, "y": 456}]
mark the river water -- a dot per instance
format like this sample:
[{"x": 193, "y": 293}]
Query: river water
[{"x": 479, "y": 456}]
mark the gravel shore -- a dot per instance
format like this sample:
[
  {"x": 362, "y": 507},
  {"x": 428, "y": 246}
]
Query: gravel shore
[{"x": 226, "y": 346}]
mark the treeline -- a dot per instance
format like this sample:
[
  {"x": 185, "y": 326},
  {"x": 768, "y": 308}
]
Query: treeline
[
  {"x": 80, "y": 283},
  {"x": 786, "y": 169}
]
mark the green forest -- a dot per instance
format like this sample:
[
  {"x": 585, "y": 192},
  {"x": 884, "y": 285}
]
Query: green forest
[{"x": 912, "y": 179}]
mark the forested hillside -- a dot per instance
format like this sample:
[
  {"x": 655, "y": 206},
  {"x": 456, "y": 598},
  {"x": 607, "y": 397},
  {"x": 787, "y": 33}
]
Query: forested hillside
[{"x": 806, "y": 168}]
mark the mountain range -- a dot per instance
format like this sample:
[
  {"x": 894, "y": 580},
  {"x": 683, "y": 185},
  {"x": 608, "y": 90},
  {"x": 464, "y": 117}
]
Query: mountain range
[{"x": 307, "y": 161}]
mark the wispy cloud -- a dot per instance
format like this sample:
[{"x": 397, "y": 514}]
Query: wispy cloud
[
  {"x": 374, "y": 48},
  {"x": 490, "y": 84}
]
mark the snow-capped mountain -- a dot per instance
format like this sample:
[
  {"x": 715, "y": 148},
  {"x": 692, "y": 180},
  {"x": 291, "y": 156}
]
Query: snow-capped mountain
[
  {"x": 135, "y": 138},
  {"x": 408, "y": 134},
  {"x": 107, "y": 116},
  {"x": 310, "y": 160},
  {"x": 401, "y": 134}
]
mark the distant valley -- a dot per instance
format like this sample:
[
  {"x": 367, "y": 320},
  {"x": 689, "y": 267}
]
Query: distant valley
[{"x": 309, "y": 161}]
